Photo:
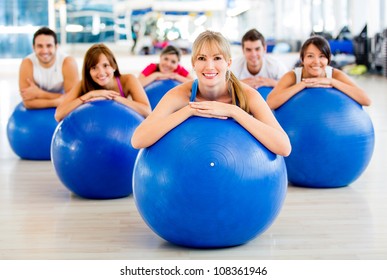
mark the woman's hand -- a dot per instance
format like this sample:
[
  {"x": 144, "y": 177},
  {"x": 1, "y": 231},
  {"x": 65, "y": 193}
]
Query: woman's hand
[
  {"x": 165, "y": 76},
  {"x": 211, "y": 109},
  {"x": 317, "y": 82},
  {"x": 101, "y": 94}
]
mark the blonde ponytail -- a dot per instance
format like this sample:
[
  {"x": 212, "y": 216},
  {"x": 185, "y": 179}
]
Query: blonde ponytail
[{"x": 238, "y": 96}]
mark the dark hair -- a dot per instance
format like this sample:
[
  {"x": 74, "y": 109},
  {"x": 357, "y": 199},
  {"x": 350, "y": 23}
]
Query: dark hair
[
  {"x": 45, "y": 31},
  {"x": 253, "y": 35},
  {"x": 91, "y": 59},
  {"x": 171, "y": 50},
  {"x": 321, "y": 43}
]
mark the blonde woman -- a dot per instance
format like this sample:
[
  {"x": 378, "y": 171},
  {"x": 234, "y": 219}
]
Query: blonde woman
[{"x": 215, "y": 94}]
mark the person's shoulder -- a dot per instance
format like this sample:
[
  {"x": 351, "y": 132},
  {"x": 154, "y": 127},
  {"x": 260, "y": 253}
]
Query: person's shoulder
[
  {"x": 127, "y": 77},
  {"x": 26, "y": 61},
  {"x": 69, "y": 58},
  {"x": 335, "y": 72},
  {"x": 181, "y": 70},
  {"x": 63, "y": 56},
  {"x": 129, "y": 80},
  {"x": 290, "y": 77},
  {"x": 68, "y": 62},
  {"x": 151, "y": 65},
  {"x": 149, "y": 69},
  {"x": 30, "y": 57},
  {"x": 185, "y": 87}
]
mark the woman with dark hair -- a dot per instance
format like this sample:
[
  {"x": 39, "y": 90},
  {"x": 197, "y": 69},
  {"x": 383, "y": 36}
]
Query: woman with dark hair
[
  {"x": 167, "y": 68},
  {"x": 315, "y": 55},
  {"x": 101, "y": 79},
  {"x": 216, "y": 93}
]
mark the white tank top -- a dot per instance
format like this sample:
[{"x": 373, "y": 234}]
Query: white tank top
[
  {"x": 49, "y": 79},
  {"x": 298, "y": 72}
]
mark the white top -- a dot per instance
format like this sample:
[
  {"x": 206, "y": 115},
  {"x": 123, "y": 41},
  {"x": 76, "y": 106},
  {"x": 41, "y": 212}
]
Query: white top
[
  {"x": 49, "y": 79},
  {"x": 298, "y": 72},
  {"x": 271, "y": 68}
]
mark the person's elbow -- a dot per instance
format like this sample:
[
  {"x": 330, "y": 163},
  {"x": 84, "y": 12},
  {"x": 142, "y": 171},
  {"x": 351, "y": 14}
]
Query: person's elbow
[
  {"x": 367, "y": 101},
  {"x": 271, "y": 102},
  {"x": 58, "y": 116},
  {"x": 27, "y": 105},
  {"x": 285, "y": 150},
  {"x": 147, "y": 110},
  {"x": 284, "y": 147},
  {"x": 136, "y": 141}
]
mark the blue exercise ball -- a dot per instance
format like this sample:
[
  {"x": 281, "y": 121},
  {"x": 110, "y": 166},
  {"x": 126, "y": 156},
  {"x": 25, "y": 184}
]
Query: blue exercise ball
[
  {"x": 332, "y": 138},
  {"x": 157, "y": 89},
  {"x": 30, "y": 131},
  {"x": 264, "y": 91},
  {"x": 209, "y": 183},
  {"x": 91, "y": 150}
]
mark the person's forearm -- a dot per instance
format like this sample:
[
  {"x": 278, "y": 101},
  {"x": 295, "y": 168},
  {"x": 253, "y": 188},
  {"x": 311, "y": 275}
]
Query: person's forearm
[
  {"x": 354, "y": 92},
  {"x": 150, "y": 131},
  {"x": 277, "y": 97},
  {"x": 143, "y": 109},
  {"x": 144, "y": 81},
  {"x": 272, "y": 138},
  {"x": 64, "y": 109},
  {"x": 43, "y": 94},
  {"x": 41, "y": 103}
]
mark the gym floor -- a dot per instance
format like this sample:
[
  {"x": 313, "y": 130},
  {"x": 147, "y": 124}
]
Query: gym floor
[{"x": 41, "y": 219}]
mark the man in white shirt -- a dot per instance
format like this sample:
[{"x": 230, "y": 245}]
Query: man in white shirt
[
  {"x": 255, "y": 67},
  {"x": 46, "y": 74}
]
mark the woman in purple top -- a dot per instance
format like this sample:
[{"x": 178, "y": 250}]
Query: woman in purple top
[
  {"x": 101, "y": 79},
  {"x": 168, "y": 68}
]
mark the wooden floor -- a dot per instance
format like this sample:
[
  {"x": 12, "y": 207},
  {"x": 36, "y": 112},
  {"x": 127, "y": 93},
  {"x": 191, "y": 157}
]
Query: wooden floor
[{"x": 41, "y": 219}]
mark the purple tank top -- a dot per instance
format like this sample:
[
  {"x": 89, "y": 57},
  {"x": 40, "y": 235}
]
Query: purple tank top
[{"x": 120, "y": 87}]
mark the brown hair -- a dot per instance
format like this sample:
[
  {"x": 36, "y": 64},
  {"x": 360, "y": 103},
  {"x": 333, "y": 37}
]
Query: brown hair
[
  {"x": 91, "y": 59},
  {"x": 45, "y": 31},
  {"x": 253, "y": 35},
  {"x": 171, "y": 50},
  {"x": 216, "y": 39}
]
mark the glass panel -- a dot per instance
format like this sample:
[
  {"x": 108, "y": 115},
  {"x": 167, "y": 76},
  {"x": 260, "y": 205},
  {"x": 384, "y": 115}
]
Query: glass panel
[{"x": 18, "y": 21}]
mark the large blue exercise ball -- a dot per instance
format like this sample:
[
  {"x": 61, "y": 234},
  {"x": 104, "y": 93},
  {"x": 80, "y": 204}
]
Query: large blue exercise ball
[
  {"x": 157, "y": 89},
  {"x": 332, "y": 138},
  {"x": 91, "y": 150},
  {"x": 264, "y": 91},
  {"x": 30, "y": 131},
  {"x": 209, "y": 183}
]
